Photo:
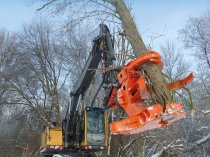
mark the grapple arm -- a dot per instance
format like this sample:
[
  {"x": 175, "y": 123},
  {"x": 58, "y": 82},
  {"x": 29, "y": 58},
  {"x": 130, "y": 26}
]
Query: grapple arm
[{"x": 134, "y": 92}]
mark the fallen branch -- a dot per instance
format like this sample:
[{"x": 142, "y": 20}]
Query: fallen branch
[
  {"x": 158, "y": 154},
  {"x": 199, "y": 142},
  {"x": 171, "y": 145}
]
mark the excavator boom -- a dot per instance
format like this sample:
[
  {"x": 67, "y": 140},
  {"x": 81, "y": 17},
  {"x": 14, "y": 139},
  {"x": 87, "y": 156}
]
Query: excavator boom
[{"x": 102, "y": 50}]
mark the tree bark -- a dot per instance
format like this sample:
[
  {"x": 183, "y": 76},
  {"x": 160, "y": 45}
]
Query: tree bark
[
  {"x": 56, "y": 108},
  {"x": 159, "y": 89}
]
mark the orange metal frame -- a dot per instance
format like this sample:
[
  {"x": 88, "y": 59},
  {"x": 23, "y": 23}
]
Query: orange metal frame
[{"x": 134, "y": 91}]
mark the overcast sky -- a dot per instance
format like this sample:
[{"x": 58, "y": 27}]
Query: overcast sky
[{"x": 153, "y": 17}]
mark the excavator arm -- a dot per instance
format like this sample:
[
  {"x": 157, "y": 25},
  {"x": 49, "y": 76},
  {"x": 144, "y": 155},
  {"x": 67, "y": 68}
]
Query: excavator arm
[{"x": 102, "y": 50}]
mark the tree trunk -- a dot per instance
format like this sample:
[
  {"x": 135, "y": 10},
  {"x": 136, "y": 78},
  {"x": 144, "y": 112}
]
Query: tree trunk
[
  {"x": 56, "y": 108},
  {"x": 159, "y": 90}
]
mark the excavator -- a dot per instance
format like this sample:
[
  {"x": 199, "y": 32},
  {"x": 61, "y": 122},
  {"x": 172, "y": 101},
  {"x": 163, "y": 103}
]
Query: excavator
[{"x": 86, "y": 127}]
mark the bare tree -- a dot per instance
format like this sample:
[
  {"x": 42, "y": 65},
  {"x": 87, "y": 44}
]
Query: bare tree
[
  {"x": 174, "y": 64},
  {"x": 196, "y": 35},
  {"x": 116, "y": 10},
  {"x": 38, "y": 76},
  {"x": 35, "y": 68},
  {"x": 8, "y": 46}
]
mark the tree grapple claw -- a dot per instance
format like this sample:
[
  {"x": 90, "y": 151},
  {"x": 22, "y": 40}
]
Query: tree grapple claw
[{"x": 134, "y": 92}]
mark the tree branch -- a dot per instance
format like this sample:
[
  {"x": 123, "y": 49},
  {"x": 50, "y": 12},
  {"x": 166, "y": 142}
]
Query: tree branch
[{"x": 46, "y": 4}]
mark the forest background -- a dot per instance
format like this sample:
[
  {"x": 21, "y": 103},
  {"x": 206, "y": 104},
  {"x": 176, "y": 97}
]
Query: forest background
[{"x": 42, "y": 53}]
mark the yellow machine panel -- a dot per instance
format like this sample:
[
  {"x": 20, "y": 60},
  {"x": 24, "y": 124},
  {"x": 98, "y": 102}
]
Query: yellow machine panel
[{"x": 52, "y": 137}]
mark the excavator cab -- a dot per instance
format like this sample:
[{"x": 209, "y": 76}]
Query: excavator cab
[{"x": 92, "y": 129}]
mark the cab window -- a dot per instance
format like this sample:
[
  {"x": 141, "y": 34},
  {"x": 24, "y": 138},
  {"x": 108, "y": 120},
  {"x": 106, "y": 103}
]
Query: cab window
[{"x": 95, "y": 127}]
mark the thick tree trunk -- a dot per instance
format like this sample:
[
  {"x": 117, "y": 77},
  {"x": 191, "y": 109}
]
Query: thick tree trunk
[
  {"x": 159, "y": 89},
  {"x": 56, "y": 108}
]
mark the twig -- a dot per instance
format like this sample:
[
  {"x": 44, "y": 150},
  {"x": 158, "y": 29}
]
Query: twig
[{"x": 45, "y": 5}]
